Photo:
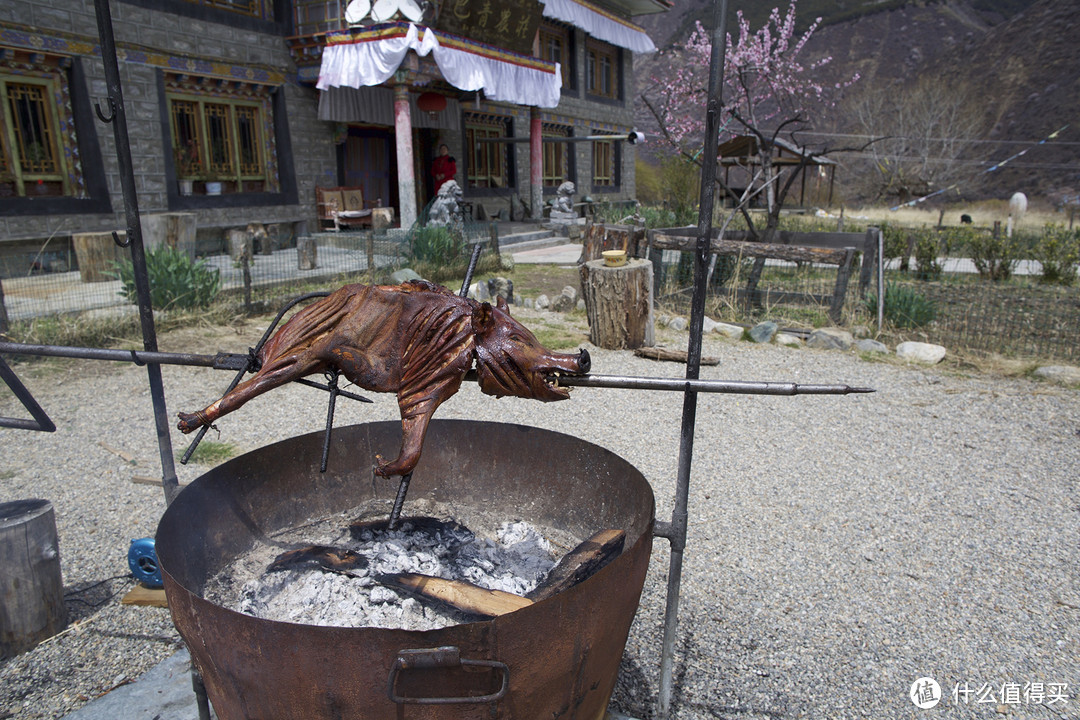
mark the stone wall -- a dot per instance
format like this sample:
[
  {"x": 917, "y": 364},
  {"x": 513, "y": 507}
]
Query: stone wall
[{"x": 149, "y": 42}]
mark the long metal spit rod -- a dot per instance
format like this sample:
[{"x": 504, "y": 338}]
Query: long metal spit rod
[{"x": 237, "y": 361}]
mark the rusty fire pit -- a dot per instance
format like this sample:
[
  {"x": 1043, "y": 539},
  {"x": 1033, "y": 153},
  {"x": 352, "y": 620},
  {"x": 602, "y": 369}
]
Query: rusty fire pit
[{"x": 556, "y": 658}]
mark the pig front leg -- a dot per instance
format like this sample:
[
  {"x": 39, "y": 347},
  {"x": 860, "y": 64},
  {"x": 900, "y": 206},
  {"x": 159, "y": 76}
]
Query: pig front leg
[
  {"x": 413, "y": 430},
  {"x": 417, "y": 407}
]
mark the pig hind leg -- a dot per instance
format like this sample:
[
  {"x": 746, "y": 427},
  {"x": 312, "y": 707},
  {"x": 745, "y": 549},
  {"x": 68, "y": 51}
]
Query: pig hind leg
[{"x": 277, "y": 372}]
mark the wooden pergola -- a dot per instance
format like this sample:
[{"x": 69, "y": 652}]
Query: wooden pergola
[{"x": 741, "y": 153}]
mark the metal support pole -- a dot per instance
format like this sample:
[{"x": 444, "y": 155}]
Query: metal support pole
[
  {"x": 118, "y": 120},
  {"x": 693, "y": 362}
]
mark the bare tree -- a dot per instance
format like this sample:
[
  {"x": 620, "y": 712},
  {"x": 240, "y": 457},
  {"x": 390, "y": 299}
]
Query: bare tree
[{"x": 921, "y": 134}]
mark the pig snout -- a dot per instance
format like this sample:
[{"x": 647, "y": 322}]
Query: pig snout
[{"x": 584, "y": 361}]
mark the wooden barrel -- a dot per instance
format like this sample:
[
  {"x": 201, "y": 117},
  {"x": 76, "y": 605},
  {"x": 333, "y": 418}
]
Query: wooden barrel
[
  {"x": 30, "y": 584},
  {"x": 97, "y": 253}
]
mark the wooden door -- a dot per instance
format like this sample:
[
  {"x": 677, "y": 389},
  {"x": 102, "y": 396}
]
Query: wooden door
[{"x": 368, "y": 161}]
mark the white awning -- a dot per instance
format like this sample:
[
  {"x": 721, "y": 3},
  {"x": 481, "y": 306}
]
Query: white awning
[
  {"x": 600, "y": 24},
  {"x": 369, "y": 56}
]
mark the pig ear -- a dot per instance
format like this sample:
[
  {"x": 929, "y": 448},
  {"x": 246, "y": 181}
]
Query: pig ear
[
  {"x": 481, "y": 318},
  {"x": 501, "y": 304}
]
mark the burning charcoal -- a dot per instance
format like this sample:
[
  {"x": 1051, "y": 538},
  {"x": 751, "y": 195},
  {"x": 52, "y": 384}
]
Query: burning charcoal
[
  {"x": 381, "y": 594},
  {"x": 367, "y": 529},
  {"x": 328, "y": 558}
]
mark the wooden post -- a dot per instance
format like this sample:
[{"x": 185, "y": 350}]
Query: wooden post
[
  {"x": 836, "y": 309},
  {"x": 905, "y": 262},
  {"x": 493, "y": 233},
  {"x": 96, "y": 253},
  {"x": 869, "y": 259},
  {"x": 618, "y": 301},
  {"x": 307, "y": 253},
  {"x": 246, "y": 266},
  {"x": 752, "y": 299},
  {"x": 30, "y": 584}
]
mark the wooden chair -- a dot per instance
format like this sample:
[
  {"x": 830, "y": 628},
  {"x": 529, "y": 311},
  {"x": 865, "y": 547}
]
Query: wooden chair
[{"x": 340, "y": 207}]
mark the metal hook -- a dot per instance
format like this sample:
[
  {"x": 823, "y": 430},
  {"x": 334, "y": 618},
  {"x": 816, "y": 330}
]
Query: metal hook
[
  {"x": 112, "y": 111},
  {"x": 118, "y": 241}
]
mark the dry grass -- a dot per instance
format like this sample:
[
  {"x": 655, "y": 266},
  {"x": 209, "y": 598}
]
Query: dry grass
[{"x": 983, "y": 213}]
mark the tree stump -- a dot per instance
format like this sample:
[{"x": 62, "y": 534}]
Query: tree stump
[
  {"x": 177, "y": 230},
  {"x": 599, "y": 237},
  {"x": 241, "y": 244},
  {"x": 618, "y": 301},
  {"x": 30, "y": 584},
  {"x": 97, "y": 253},
  {"x": 306, "y": 253}
]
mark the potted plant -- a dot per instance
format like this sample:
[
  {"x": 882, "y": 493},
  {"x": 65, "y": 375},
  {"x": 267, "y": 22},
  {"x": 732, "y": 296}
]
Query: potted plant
[{"x": 188, "y": 165}]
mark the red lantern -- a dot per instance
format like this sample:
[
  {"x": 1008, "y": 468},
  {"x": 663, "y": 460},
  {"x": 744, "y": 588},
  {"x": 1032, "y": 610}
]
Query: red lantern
[{"x": 431, "y": 103}]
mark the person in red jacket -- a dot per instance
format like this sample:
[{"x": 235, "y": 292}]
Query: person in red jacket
[{"x": 444, "y": 167}]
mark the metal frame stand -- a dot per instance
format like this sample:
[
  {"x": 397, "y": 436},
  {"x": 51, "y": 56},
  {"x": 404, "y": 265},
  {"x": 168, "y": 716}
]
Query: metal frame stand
[{"x": 674, "y": 530}]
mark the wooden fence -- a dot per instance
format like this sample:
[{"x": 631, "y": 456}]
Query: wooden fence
[{"x": 824, "y": 248}]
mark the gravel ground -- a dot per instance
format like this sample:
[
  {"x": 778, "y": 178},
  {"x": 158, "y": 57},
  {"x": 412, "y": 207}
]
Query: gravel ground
[{"x": 839, "y": 547}]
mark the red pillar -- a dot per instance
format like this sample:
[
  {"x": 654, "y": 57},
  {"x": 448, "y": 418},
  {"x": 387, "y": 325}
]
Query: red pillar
[
  {"x": 406, "y": 175},
  {"x": 536, "y": 164}
]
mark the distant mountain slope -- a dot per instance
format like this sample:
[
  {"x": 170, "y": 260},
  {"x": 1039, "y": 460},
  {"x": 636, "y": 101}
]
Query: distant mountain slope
[
  {"x": 1027, "y": 73},
  {"x": 1021, "y": 58}
]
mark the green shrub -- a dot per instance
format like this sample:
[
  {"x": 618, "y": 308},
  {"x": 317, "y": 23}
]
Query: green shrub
[
  {"x": 176, "y": 281},
  {"x": 904, "y": 307},
  {"x": 680, "y": 183},
  {"x": 435, "y": 245},
  {"x": 928, "y": 250},
  {"x": 995, "y": 257},
  {"x": 894, "y": 241},
  {"x": 1058, "y": 251}
]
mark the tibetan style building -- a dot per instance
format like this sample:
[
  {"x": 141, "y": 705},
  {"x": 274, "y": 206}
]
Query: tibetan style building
[{"x": 239, "y": 109}]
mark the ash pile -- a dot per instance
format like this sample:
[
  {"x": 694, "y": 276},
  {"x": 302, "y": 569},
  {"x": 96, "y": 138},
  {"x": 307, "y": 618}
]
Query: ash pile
[{"x": 426, "y": 574}]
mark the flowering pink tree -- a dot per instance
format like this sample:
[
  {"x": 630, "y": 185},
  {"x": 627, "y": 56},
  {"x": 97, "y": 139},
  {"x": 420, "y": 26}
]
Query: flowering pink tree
[{"x": 767, "y": 93}]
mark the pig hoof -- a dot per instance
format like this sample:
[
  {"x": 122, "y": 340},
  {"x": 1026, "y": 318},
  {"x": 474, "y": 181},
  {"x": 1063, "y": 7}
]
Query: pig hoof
[{"x": 190, "y": 421}]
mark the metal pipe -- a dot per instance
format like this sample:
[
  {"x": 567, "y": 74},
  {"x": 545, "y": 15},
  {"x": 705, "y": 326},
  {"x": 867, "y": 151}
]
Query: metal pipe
[
  {"x": 221, "y": 361},
  {"x": 741, "y": 387},
  {"x": 679, "y": 515},
  {"x": 236, "y": 361},
  {"x": 118, "y": 119}
]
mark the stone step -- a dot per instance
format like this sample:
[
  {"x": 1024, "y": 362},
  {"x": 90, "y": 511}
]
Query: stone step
[{"x": 530, "y": 239}]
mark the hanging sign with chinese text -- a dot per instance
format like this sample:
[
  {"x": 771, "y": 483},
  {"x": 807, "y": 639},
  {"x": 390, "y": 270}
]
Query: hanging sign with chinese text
[{"x": 508, "y": 24}]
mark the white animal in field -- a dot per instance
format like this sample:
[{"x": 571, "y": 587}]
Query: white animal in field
[{"x": 1017, "y": 208}]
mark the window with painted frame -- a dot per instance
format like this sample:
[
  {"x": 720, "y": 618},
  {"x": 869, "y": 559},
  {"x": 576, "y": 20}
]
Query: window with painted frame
[
  {"x": 557, "y": 45},
  {"x": 488, "y": 163},
  {"x": 605, "y": 165},
  {"x": 39, "y": 152},
  {"x": 222, "y": 136},
  {"x": 603, "y": 70},
  {"x": 558, "y": 158}
]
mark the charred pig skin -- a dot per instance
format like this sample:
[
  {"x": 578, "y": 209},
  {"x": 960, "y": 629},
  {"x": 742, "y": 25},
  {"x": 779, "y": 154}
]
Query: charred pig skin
[{"x": 416, "y": 339}]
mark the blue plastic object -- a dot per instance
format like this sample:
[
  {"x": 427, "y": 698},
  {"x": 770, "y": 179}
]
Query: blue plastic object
[{"x": 144, "y": 563}]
